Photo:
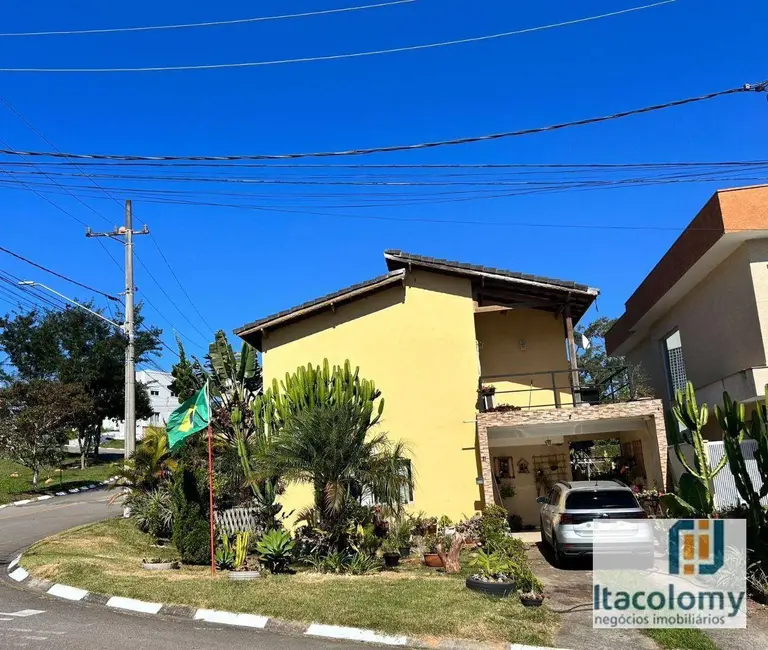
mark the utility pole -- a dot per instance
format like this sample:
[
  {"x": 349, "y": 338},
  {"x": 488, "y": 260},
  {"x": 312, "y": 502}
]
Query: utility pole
[{"x": 126, "y": 233}]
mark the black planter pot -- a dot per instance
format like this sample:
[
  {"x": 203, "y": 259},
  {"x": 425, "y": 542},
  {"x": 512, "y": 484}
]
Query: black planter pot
[
  {"x": 391, "y": 559},
  {"x": 531, "y": 602},
  {"x": 405, "y": 551},
  {"x": 501, "y": 589}
]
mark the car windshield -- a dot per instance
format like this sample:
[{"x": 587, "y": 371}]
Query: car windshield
[{"x": 600, "y": 500}]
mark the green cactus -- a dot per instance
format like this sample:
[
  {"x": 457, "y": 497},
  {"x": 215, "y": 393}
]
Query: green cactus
[
  {"x": 311, "y": 386},
  {"x": 241, "y": 549},
  {"x": 732, "y": 422},
  {"x": 694, "y": 496}
]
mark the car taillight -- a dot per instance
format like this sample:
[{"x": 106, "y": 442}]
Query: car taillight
[{"x": 566, "y": 518}]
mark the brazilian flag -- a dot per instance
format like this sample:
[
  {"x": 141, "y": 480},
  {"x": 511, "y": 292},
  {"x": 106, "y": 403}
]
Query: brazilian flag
[{"x": 192, "y": 416}]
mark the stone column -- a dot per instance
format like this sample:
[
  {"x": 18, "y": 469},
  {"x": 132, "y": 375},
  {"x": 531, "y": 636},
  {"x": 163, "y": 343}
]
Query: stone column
[{"x": 485, "y": 463}]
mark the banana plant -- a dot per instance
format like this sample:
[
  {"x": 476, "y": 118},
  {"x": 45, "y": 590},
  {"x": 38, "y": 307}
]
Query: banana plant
[{"x": 694, "y": 497}]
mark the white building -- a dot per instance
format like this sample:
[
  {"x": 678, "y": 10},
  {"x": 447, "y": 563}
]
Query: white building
[{"x": 160, "y": 397}]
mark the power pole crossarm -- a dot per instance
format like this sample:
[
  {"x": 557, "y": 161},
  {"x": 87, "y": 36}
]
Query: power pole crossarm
[{"x": 126, "y": 234}]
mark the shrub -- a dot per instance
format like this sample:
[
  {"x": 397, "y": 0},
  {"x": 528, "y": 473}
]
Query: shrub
[
  {"x": 525, "y": 581},
  {"x": 492, "y": 566},
  {"x": 191, "y": 532},
  {"x": 361, "y": 564},
  {"x": 225, "y": 554},
  {"x": 493, "y": 525},
  {"x": 153, "y": 512},
  {"x": 275, "y": 548},
  {"x": 512, "y": 547}
]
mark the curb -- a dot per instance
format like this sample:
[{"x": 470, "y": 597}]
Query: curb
[
  {"x": 51, "y": 495},
  {"x": 253, "y": 621}
]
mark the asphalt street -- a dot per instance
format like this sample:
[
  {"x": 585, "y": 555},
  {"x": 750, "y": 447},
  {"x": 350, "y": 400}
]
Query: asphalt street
[{"x": 33, "y": 620}]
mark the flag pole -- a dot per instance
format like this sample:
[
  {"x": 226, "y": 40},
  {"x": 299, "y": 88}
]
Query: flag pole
[{"x": 210, "y": 481}]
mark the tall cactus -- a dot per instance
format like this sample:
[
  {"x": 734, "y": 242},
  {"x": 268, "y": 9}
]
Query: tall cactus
[
  {"x": 311, "y": 386},
  {"x": 695, "y": 496},
  {"x": 731, "y": 419}
]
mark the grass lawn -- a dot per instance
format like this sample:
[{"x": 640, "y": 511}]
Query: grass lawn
[
  {"x": 15, "y": 488},
  {"x": 681, "y": 639},
  {"x": 105, "y": 558},
  {"x": 113, "y": 444}
]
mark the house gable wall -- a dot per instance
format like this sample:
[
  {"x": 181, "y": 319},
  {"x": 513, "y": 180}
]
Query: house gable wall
[{"x": 417, "y": 342}]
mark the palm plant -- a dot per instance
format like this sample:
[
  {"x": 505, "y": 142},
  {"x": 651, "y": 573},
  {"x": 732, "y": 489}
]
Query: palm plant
[
  {"x": 332, "y": 448},
  {"x": 151, "y": 463}
]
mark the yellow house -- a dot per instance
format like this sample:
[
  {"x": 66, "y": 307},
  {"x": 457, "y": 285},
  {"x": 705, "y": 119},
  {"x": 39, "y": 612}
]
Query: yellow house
[{"x": 438, "y": 337}]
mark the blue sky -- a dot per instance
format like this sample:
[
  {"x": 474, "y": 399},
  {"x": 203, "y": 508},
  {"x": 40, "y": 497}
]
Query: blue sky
[{"x": 242, "y": 264}]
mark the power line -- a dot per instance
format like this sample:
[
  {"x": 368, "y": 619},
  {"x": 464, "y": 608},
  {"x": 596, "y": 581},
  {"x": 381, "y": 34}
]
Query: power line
[
  {"x": 759, "y": 87},
  {"x": 58, "y": 275},
  {"x": 165, "y": 293},
  {"x": 335, "y": 57},
  {"x": 213, "y": 23},
  {"x": 54, "y": 204},
  {"x": 51, "y": 144}
]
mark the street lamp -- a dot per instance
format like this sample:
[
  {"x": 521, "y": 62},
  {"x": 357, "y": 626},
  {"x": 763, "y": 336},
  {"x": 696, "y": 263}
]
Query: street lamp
[{"x": 30, "y": 283}]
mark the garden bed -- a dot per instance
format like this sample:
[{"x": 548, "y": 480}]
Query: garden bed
[{"x": 411, "y": 600}]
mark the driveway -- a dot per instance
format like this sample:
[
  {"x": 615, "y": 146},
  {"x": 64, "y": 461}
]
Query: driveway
[
  {"x": 569, "y": 592},
  {"x": 32, "y": 620}
]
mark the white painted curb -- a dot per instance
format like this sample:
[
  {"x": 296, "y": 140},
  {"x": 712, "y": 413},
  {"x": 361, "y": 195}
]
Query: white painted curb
[
  {"x": 118, "y": 602},
  {"x": 23, "y": 502},
  {"x": 354, "y": 634},
  {"x": 217, "y": 617},
  {"x": 65, "y": 591},
  {"x": 228, "y": 618},
  {"x": 19, "y": 574}
]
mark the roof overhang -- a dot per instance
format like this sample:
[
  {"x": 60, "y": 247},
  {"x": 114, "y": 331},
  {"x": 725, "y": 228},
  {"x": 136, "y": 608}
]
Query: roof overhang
[
  {"x": 493, "y": 287},
  {"x": 729, "y": 218},
  {"x": 254, "y": 332}
]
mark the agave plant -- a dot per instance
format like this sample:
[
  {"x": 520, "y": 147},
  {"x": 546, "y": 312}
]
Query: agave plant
[{"x": 274, "y": 549}]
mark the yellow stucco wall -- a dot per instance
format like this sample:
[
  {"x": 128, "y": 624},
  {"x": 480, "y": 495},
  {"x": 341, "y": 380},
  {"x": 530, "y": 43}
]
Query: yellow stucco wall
[
  {"x": 523, "y": 341},
  {"x": 418, "y": 344}
]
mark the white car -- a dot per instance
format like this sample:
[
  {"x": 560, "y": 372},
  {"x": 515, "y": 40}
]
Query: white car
[{"x": 572, "y": 511}]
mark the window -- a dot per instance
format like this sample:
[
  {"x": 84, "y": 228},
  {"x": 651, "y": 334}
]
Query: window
[
  {"x": 673, "y": 355},
  {"x": 407, "y": 491},
  {"x": 600, "y": 500},
  {"x": 154, "y": 392}
]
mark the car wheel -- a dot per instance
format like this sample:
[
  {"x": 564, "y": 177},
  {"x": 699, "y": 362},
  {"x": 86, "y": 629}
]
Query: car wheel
[{"x": 559, "y": 559}]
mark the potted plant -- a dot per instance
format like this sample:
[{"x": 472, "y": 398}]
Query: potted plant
[
  {"x": 493, "y": 574},
  {"x": 507, "y": 491},
  {"x": 400, "y": 530},
  {"x": 159, "y": 564},
  {"x": 531, "y": 589},
  {"x": 243, "y": 567},
  {"x": 390, "y": 550},
  {"x": 431, "y": 558},
  {"x": 486, "y": 395}
]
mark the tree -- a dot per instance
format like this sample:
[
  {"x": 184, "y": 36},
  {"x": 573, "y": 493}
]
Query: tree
[
  {"x": 187, "y": 379},
  {"x": 75, "y": 347},
  {"x": 597, "y": 366},
  {"x": 332, "y": 448},
  {"x": 35, "y": 417}
]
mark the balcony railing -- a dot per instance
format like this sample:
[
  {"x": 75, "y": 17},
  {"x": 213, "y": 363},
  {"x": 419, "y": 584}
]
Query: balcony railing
[{"x": 553, "y": 389}]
